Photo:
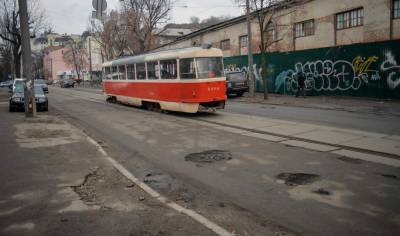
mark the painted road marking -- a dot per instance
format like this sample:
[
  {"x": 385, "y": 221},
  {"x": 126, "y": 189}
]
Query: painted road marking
[
  {"x": 368, "y": 157},
  {"x": 192, "y": 214}
]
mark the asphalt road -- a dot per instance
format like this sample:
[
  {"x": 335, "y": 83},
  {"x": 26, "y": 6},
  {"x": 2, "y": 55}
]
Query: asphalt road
[
  {"x": 380, "y": 121},
  {"x": 336, "y": 196}
]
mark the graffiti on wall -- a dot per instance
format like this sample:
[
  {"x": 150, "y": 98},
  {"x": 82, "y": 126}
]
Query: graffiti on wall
[
  {"x": 329, "y": 75},
  {"x": 392, "y": 69},
  {"x": 362, "y": 70}
]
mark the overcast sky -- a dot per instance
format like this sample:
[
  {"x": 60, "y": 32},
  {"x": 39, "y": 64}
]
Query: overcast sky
[{"x": 71, "y": 16}]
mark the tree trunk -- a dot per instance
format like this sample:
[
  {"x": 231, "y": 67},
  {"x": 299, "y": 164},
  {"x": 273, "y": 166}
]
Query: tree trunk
[
  {"x": 17, "y": 63},
  {"x": 264, "y": 73}
]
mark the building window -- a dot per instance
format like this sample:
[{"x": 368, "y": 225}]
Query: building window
[
  {"x": 225, "y": 44},
  {"x": 271, "y": 34},
  {"x": 396, "y": 9},
  {"x": 350, "y": 19},
  {"x": 243, "y": 44},
  {"x": 305, "y": 28}
]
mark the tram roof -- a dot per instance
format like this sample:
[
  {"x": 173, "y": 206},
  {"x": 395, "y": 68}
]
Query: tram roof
[{"x": 167, "y": 54}]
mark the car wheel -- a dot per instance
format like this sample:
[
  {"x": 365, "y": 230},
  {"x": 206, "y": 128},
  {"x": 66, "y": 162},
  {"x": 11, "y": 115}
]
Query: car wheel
[
  {"x": 239, "y": 94},
  {"x": 11, "y": 108}
]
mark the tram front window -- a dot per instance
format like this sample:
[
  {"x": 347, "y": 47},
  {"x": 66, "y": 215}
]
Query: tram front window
[{"x": 209, "y": 67}]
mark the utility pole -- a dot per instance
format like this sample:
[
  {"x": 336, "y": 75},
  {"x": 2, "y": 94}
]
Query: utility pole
[
  {"x": 30, "y": 104},
  {"x": 90, "y": 61},
  {"x": 249, "y": 51}
]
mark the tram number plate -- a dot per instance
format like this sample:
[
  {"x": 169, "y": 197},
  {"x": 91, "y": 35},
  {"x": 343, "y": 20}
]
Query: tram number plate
[{"x": 212, "y": 89}]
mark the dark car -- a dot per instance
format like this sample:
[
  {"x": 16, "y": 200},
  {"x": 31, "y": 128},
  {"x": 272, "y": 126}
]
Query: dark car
[
  {"x": 67, "y": 83},
  {"x": 6, "y": 84},
  {"x": 236, "y": 83},
  {"x": 43, "y": 84},
  {"x": 17, "y": 99}
]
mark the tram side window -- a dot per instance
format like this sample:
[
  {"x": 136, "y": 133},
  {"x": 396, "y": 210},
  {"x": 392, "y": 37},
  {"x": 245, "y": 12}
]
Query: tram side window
[
  {"x": 141, "y": 71},
  {"x": 186, "y": 68},
  {"x": 130, "y": 70},
  {"x": 209, "y": 67},
  {"x": 168, "y": 69},
  {"x": 114, "y": 73},
  {"x": 152, "y": 70},
  {"x": 121, "y": 73},
  {"x": 107, "y": 73}
]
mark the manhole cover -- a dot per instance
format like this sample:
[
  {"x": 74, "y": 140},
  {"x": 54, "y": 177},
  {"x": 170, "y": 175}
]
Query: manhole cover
[
  {"x": 209, "y": 156},
  {"x": 293, "y": 179}
]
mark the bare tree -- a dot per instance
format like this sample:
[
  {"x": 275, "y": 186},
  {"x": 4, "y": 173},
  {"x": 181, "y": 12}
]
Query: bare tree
[
  {"x": 76, "y": 56},
  {"x": 142, "y": 18},
  {"x": 267, "y": 14},
  {"x": 10, "y": 28}
]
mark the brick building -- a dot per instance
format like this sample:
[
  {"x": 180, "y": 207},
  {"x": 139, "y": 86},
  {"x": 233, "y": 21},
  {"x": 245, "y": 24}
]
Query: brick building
[{"x": 312, "y": 35}]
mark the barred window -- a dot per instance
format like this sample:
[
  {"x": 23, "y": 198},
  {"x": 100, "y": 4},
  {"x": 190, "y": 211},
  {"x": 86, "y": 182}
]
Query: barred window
[
  {"x": 350, "y": 19},
  {"x": 271, "y": 35},
  {"x": 225, "y": 44},
  {"x": 396, "y": 9},
  {"x": 305, "y": 28},
  {"x": 243, "y": 44}
]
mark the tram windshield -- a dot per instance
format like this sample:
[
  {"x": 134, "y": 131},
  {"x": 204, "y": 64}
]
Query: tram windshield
[{"x": 209, "y": 67}]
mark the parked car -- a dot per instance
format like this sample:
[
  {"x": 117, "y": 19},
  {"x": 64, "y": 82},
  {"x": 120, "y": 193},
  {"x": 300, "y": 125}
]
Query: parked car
[
  {"x": 43, "y": 84},
  {"x": 67, "y": 83},
  {"x": 17, "y": 100},
  {"x": 6, "y": 84},
  {"x": 236, "y": 83}
]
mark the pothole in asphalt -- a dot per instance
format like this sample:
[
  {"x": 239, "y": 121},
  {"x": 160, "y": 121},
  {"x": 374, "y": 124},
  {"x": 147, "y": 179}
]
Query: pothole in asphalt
[
  {"x": 161, "y": 181},
  {"x": 390, "y": 176},
  {"x": 209, "y": 156},
  {"x": 350, "y": 160},
  {"x": 87, "y": 191},
  {"x": 322, "y": 191},
  {"x": 294, "y": 179}
]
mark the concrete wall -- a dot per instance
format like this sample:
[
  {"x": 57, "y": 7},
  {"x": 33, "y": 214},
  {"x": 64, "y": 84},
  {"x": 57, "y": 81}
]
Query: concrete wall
[{"x": 369, "y": 70}]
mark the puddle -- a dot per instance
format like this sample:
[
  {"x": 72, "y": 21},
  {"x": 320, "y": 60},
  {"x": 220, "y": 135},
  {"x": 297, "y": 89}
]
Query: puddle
[
  {"x": 209, "y": 156},
  {"x": 294, "y": 179}
]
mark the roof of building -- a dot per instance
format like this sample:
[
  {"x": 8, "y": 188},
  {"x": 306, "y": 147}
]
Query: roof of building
[{"x": 280, "y": 4}]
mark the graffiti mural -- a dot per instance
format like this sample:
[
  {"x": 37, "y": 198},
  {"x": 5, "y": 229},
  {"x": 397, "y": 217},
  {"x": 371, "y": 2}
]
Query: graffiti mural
[
  {"x": 391, "y": 67},
  {"x": 356, "y": 70}
]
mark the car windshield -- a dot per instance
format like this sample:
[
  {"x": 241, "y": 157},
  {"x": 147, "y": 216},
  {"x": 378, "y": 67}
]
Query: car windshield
[
  {"x": 209, "y": 67},
  {"x": 39, "y": 81},
  {"x": 236, "y": 76},
  {"x": 19, "y": 88},
  {"x": 38, "y": 90}
]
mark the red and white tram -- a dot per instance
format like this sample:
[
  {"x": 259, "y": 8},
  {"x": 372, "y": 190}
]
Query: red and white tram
[{"x": 185, "y": 80}]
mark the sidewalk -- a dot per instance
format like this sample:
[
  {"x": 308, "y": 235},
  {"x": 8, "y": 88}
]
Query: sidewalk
[
  {"x": 351, "y": 104},
  {"x": 55, "y": 182},
  {"x": 382, "y": 148}
]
